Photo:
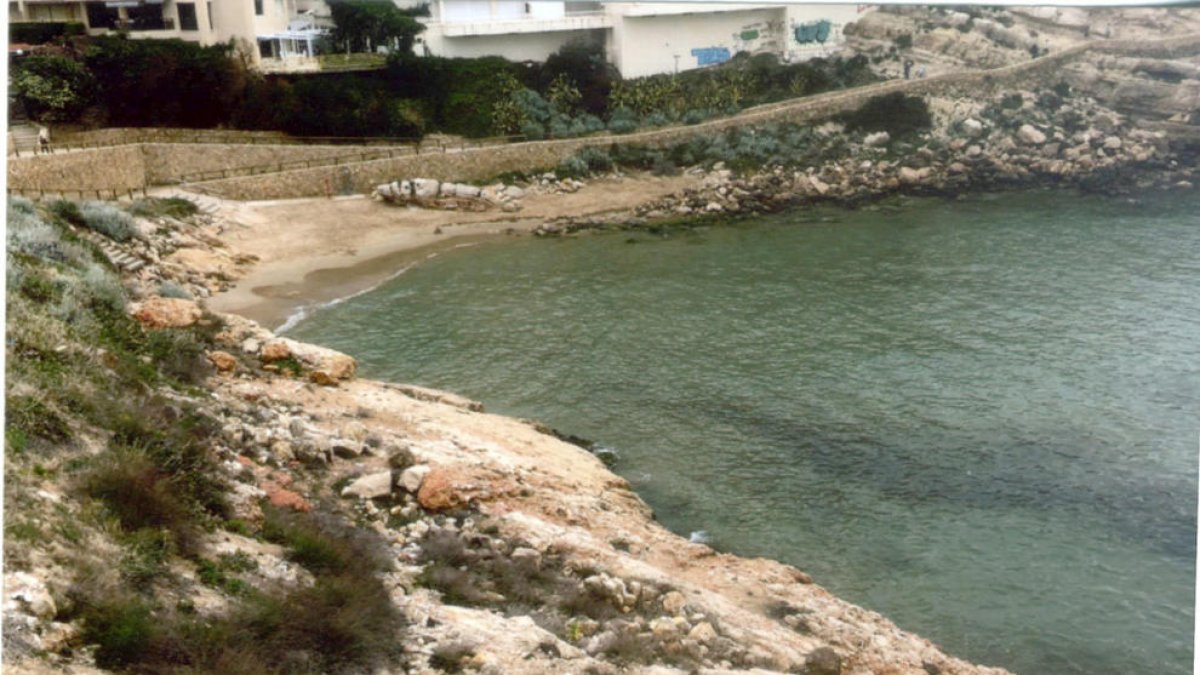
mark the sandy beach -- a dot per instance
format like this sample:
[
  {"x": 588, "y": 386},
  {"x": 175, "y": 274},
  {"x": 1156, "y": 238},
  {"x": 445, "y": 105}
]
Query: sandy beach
[{"x": 312, "y": 251}]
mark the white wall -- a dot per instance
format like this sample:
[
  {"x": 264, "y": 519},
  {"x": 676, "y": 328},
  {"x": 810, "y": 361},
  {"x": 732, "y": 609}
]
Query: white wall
[
  {"x": 648, "y": 45},
  {"x": 837, "y": 15},
  {"x": 521, "y": 47}
]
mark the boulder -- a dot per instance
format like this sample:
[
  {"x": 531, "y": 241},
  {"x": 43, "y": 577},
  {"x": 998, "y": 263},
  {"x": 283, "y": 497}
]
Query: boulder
[
  {"x": 1030, "y": 135},
  {"x": 166, "y": 312},
  {"x": 1112, "y": 143},
  {"x": 911, "y": 176},
  {"x": 222, "y": 361},
  {"x": 330, "y": 364},
  {"x": 412, "y": 477},
  {"x": 823, "y": 661},
  {"x": 425, "y": 188},
  {"x": 385, "y": 191},
  {"x": 703, "y": 632},
  {"x": 513, "y": 192},
  {"x": 673, "y": 602},
  {"x": 467, "y": 191},
  {"x": 370, "y": 486},
  {"x": 972, "y": 127},
  {"x": 877, "y": 138}
]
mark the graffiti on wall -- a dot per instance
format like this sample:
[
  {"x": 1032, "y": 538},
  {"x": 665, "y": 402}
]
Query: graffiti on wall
[
  {"x": 709, "y": 56},
  {"x": 818, "y": 32}
]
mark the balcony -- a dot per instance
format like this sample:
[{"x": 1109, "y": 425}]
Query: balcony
[{"x": 570, "y": 22}]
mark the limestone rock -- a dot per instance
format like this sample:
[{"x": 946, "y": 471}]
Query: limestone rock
[
  {"x": 275, "y": 350},
  {"x": 167, "y": 313},
  {"x": 703, "y": 632},
  {"x": 412, "y": 477},
  {"x": 877, "y": 138},
  {"x": 333, "y": 365},
  {"x": 370, "y": 486},
  {"x": 27, "y": 593},
  {"x": 222, "y": 361},
  {"x": 425, "y": 188},
  {"x": 972, "y": 127},
  {"x": 673, "y": 602},
  {"x": 1030, "y": 135},
  {"x": 823, "y": 661}
]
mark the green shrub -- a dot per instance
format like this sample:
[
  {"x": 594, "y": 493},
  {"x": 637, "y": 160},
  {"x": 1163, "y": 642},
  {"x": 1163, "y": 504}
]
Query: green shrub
[
  {"x": 572, "y": 167},
  {"x": 175, "y": 207},
  {"x": 596, "y": 159},
  {"x": 67, "y": 211},
  {"x": 320, "y": 544},
  {"x": 52, "y": 87},
  {"x": 141, "y": 495},
  {"x": 894, "y": 113},
  {"x": 122, "y": 627},
  {"x": 108, "y": 220},
  {"x": 21, "y": 205},
  {"x": 904, "y": 41},
  {"x": 170, "y": 289}
]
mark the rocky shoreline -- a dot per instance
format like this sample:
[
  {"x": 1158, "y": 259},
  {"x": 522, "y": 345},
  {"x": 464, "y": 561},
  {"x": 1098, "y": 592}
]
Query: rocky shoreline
[{"x": 1011, "y": 142}]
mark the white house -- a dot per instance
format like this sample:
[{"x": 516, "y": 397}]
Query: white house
[
  {"x": 640, "y": 38},
  {"x": 269, "y": 27}
]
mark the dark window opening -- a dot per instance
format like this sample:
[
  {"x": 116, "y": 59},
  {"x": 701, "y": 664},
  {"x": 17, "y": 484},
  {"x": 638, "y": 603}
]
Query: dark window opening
[
  {"x": 99, "y": 16},
  {"x": 258, "y": 7},
  {"x": 187, "y": 16},
  {"x": 148, "y": 17}
]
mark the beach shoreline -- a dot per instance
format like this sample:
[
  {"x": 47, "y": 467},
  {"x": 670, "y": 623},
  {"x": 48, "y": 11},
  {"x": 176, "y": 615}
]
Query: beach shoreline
[{"x": 315, "y": 251}]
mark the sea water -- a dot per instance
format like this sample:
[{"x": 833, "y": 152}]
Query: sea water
[{"x": 978, "y": 417}]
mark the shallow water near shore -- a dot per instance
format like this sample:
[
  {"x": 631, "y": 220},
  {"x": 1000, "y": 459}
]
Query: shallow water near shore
[{"x": 979, "y": 417}]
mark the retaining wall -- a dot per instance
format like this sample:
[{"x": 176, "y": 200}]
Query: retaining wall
[{"x": 119, "y": 169}]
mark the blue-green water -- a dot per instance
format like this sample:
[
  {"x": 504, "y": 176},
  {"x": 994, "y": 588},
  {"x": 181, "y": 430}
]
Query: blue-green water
[{"x": 979, "y": 418}]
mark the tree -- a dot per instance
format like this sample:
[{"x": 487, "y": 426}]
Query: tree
[
  {"x": 364, "y": 25},
  {"x": 52, "y": 88}
]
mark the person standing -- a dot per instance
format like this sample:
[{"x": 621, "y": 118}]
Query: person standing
[
  {"x": 908, "y": 64},
  {"x": 44, "y": 140}
]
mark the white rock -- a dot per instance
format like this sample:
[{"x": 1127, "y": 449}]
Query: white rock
[
  {"x": 703, "y": 632},
  {"x": 425, "y": 188},
  {"x": 370, "y": 486},
  {"x": 1030, "y": 135},
  {"x": 1112, "y": 143},
  {"x": 26, "y": 593},
  {"x": 513, "y": 192},
  {"x": 413, "y": 476},
  {"x": 877, "y": 138},
  {"x": 972, "y": 127},
  {"x": 466, "y": 191}
]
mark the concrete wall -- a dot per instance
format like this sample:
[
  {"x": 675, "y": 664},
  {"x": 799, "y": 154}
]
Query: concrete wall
[
  {"x": 514, "y": 47},
  {"x": 657, "y": 44}
]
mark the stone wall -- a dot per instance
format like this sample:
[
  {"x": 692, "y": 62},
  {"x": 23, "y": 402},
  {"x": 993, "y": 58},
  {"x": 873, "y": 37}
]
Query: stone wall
[
  {"x": 171, "y": 162},
  {"x": 126, "y": 135},
  {"x": 112, "y": 170}
]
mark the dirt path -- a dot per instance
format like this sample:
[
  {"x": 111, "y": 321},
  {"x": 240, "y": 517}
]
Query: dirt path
[{"x": 312, "y": 251}]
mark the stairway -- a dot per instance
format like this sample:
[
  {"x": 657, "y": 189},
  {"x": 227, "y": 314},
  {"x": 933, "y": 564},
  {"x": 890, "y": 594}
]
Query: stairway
[{"x": 22, "y": 139}]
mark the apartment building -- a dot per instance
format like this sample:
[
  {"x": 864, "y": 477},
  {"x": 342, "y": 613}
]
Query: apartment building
[
  {"x": 640, "y": 38},
  {"x": 271, "y": 29}
]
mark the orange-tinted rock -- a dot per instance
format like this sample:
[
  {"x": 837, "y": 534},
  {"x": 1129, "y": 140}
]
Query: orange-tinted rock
[
  {"x": 167, "y": 313},
  {"x": 275, "y": 350},
  {"x": 287, "y": 499},
  {"x": 222, "y": 361},
  {"x": 447, "y": 488}
]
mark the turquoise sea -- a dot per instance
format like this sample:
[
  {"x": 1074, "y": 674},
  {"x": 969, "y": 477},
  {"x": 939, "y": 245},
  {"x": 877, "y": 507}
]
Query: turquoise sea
[{"x": 979, "y": 417}]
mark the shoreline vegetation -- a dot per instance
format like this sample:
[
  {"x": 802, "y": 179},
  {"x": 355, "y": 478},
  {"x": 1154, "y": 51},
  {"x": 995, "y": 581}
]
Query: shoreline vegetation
[{"x": 187, "y": 490}]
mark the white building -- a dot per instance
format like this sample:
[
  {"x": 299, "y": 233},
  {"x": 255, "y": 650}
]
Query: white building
[
  {"x": 640, "y": 38},
  {"x": 269, "y": 28}
]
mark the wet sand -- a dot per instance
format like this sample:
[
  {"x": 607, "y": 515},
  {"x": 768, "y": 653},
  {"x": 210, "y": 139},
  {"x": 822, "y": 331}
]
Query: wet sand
[{"x": 313, "y": 251}]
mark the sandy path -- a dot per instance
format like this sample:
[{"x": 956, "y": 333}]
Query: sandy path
[{"x": 312, "y": 251}]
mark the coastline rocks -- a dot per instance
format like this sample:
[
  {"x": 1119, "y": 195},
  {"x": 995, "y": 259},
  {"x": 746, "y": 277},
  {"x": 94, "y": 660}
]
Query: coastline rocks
[
  {"x": 823, "y": 661},
  {"x": 160, "y": 312},
  {"x": 222, "y": 361},
  {"x": 326, "y": 366},
  {"x": 1030, "y": 135},
  {"x": 876, "y": 139},
  {"x": 370, "y": 486}
]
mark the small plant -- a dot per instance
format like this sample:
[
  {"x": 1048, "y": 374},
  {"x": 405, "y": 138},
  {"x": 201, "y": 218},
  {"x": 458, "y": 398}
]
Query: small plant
[
  {"x": 21, "y": 205},
  {"x": 175, "y": 207},
  {"x": 108, "y": 220},
  {"x": 573, "y": 167},
  {"x": 170, "y": 289}
]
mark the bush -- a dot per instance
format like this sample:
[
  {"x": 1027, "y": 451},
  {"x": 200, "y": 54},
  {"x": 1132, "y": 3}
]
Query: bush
[
  {"x": 596, "y": 159},
  {"x": 141, "y": 495},
  {"x": 52, "y": 88},
  {"x": 904, "y": 41},
  {"x": 573, "y": 167},
  {"x": 170, "y": 289},
  {"x": 175, "y": 207},
  {"x": 21, "y": 205},
  {"x": 42, "y": 32},
  {"x": 894, "y": 113},
  {"x": 30, "y": 235},
  {"x": 622, "y": 121},
  {"x": 108, "y": 220},
  {"x": 321, "y": 545}
]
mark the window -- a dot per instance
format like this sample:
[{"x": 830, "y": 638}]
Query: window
[
  {"x": 187, "y": 16},
  {"x": 258, "y": 7},
  {"x": 210, "y": 23},
  {"x": 99, "y": 16}
]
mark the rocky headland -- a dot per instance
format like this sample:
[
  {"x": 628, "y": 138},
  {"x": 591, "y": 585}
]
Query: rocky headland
[{"x": 453, "y": 540}]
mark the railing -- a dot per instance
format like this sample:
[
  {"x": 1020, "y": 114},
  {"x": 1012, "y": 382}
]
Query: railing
[
  {"x": 108, "y": 194},
  {"x": 427, "y": 147}
]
